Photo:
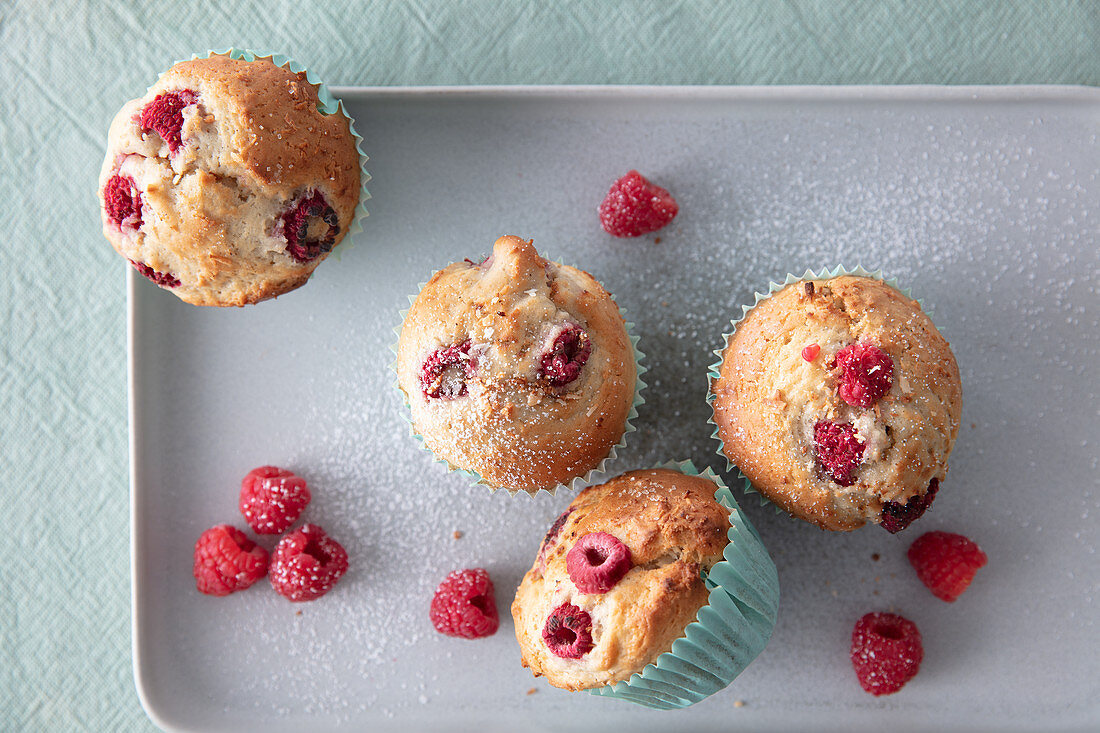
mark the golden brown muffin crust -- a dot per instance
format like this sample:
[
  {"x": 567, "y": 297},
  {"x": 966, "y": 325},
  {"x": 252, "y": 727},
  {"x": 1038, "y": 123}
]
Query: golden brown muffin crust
[
  {"x": 767, "y": 398},
  {"x": 674, "y": 528},
  {"x": 254, "y": 144},
  {"x": 511, "y": 427}
]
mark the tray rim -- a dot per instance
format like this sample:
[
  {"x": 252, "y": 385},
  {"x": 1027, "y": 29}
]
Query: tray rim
[{"x": 979, "y": 94}]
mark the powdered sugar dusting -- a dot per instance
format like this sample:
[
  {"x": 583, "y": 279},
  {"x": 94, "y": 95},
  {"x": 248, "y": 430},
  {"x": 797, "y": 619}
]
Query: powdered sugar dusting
[{"x": 985, "y": 211}]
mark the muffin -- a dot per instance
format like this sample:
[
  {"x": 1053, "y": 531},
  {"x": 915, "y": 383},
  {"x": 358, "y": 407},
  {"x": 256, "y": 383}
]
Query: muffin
[
  {"x": 517, "y": 369},
  {"x": 226, "y": 183},
  {"x": 839, "y": 401},
  {"x": 622, "y": 575}
]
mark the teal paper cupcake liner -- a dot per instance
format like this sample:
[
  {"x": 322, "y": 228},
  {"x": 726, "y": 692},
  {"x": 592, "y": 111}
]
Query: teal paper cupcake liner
[
  {"x": 728, "y": 633},
  {"x": 328, "y": 105},
  {"x": 475, "y": 478},
  {"x": 714, "y": 371}
]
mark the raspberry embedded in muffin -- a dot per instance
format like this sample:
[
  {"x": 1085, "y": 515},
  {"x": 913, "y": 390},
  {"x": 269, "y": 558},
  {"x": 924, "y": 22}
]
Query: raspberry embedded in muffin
[
  {"x": 228, "y": 175},
  {"x": 122, "y": 201},
  {"x": 517, "y": 369},
  {"x": 164, "y": 116},
  {"x": 840, "y": 401}
]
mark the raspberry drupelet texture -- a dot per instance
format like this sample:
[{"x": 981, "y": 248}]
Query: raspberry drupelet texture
[
  {"x": 464, "y": 605},
  {"x": 307, "y": 563},
  {"x": 896, "y": 517},
  {"x": 568, "y": 352},
  {"x": 227, "y": 561},
  {"x": 302, "y": 244},
  {"x": 597, "y": 562},
  {"x": 568, "y": 632},
  {"x": 163, "y": 279},
  {"x": 123, "y": 201},
  {"x": 886, "y": 652},
  {"x": 272, "y": 499},
  {"x": 867, "y": 372},
  {"x": 839, "y": 450},
  {"x": 634, "y": 207},
  {"x": 445, "y": 371},
  {"x": 810, "y": 352},
  {"x": 164, "y": 116},
  {"x": 946, "y": 563}
]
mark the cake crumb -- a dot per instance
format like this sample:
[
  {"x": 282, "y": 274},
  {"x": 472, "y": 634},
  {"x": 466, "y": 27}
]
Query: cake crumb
[
  {"x": 739, "y": 703},
  {"x": 458, "y": 534},
  {"x": 298, "y": 613},
  {"x": 656, "y": 240},
  {"x": 875, "y": 556},
  {"x": 532, "y": 691}
]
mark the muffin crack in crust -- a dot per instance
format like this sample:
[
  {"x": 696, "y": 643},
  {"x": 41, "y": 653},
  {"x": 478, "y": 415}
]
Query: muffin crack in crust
[
  {"x": 517, "y": 369},
  {"x": 245, "y": 185},
  {"x": 671, "y": 529},
  {"x": 838, "y": 399}
]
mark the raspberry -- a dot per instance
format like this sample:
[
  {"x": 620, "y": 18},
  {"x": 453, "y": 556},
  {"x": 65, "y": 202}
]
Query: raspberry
[
  {"x": 163, "y": 279},
  {"x": 464, "y": 605},
  {"x": 634, "y": 207},
  {"x": 307, "y": 563},
  {"x": 272, "y": 499},
  {"x": 445, "y": 371},
  {"x": 839, "y": 450},
  {"x": 227, "y": 561},
  {"x": 895, "y": 517},
  {"x": 164, "y": 116},
  {"x": 886, "y": 652},
  {"x": 809, "y": 353},
  {"x": 568, "y": 632},
  {"x": 122, "y": 200},
  {"x": 568, "y": 352},
  {"x": 946, "y": 563},
  {"x": 868, "y": 372},
  {"x": 296, "y": 226},
  {"x": 549, "y": 540},
  {"x": 597, "y": 562}
]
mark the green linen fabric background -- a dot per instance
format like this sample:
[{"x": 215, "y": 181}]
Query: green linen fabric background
[{"x": 68, "y": 66}]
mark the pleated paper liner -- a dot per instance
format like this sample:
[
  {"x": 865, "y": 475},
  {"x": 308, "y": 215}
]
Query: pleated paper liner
[
  {"x": 585, "y": 478},
  {"x": 328, "y": 105},
  {"x": 714, "y": 371},
  {"x": 728, "y": 633}
]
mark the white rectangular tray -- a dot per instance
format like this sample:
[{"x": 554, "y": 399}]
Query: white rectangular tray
[{"x": 984, "y": 201}]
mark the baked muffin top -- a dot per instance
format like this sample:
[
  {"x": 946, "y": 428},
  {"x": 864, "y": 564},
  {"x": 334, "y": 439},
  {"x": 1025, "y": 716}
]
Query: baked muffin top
[
  {"x": 672, "y": 528},
  {"x": 840, "y": 401},
  {"x": 225, "y": 183},
  {"x": 518, "y": 369}
]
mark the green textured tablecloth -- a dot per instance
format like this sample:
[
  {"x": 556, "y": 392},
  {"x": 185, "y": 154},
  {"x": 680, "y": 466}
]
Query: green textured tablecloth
[{"x": 68, "y": 66}]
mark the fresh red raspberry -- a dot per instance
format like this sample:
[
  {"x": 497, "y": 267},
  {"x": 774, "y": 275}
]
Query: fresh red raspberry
[
  {"x": 163, "y": 279},
  {"x": 272, "y": 499},
  {"x": 839, "y": 450},
  {"x": 563, "y": 360},
  {"x": 122, "y": 200},
  {"x": 895, "y": 517},
  {"x": 868, "y": 372},
  {"x": 227, "y": 561},
  {"x": 445, "y": 371},
  {"x": 550, "y": 540},
  {"x": 886, "y": 652},
  {"x": 164, "y": 116},
  {"x": 597, "y": 562},
  {"x": 568, "y": 632},
  {"x": 946, "y": 563},
  {"x": 464, "y": 605},
  {"x": 307, "y": 563},
  {"x": 296, "y": 224},
  {"x": 634, "y": 207},
  {"x": 809, "y": 353}
]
